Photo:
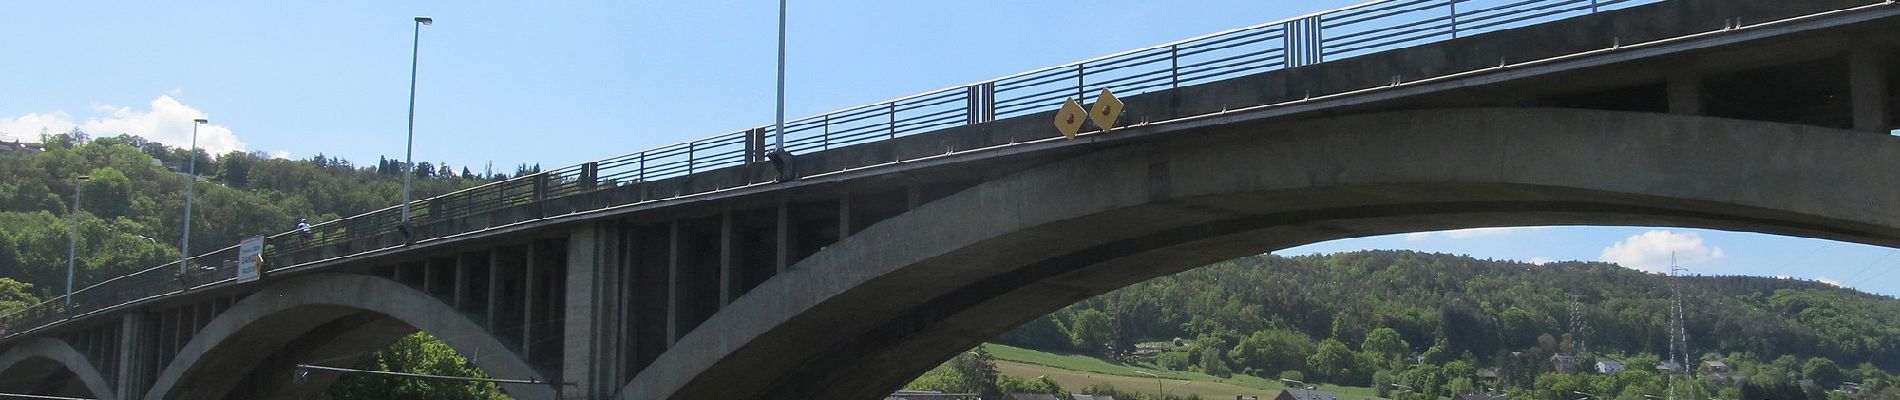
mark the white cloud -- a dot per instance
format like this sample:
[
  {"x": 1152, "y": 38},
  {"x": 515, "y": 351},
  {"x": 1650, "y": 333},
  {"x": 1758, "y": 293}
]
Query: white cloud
[
  {"x": 1541, "y": 260},
  {"x": 1830, "y": 281},
  {"x": 165, "y": 121},
  {"x": 280, "y": 154},
  {"x": 1651, "y": 251},
  {"x": 1471, "y": 233}
]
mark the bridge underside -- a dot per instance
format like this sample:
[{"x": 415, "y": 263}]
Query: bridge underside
[
  {"x": 886, "y": 257},
  {"x": 859, "y": 318}
]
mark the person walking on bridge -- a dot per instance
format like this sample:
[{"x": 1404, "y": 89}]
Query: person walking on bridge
[{"x": 303, "y": 229}]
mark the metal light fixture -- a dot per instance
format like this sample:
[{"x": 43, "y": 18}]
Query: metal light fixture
[
  {"x": 72, "y": 241},
  {"x": 191, "y": 184},
  {"x": 408, "y": 157}
]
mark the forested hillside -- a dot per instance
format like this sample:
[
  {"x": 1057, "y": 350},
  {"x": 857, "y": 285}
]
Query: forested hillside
[
  {"x": 1368, "y": 317},
  {"x": 132, "y": 205}
]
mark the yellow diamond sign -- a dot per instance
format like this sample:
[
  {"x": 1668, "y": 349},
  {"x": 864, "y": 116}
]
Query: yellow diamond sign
[
  {"x": 1069, "y": 120},
  {"x": 1106, "y": 109}
]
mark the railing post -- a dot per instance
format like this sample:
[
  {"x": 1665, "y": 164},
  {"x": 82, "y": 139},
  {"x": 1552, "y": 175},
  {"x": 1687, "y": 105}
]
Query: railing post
[
  {"x": 540, "y": 182},
  {"x": 969, "y": 105},
  {"x": 1303, "y": 45},
  {"x": 825, "y": 132},
  {"x": 590, "y": 176},
  {"x": 1174, "y": 66},
  {"x": 643, "y": 164},
  {"x": 1454, "y": 15},
  {"x": 754, "y": 145},
  {"x": 1081, "y": 89},
  {"x": 891, "y": 124},
  {"x": 690, "y": 157},
  {"x": 1593, "y": 6},
  {"x": 989, "y": 101}
]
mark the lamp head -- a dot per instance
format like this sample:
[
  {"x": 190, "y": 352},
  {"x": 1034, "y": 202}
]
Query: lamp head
[
  {"x": 201, "y": 121},
  {"x": 425, "y": 20}
]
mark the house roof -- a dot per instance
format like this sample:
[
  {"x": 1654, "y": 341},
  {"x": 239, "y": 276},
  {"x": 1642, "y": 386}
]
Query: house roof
[
  {"x": 1030, "y": 396},
  {"x": 1716, "y": 364},
  {"x": 1610, "y": 363},
  {"x": 1303, "y": 394},
  {"x": 1487, "y": 373}
]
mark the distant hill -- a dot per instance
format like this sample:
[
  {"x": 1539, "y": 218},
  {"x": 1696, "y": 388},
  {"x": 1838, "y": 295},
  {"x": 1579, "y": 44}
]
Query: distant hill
[{"x": 1474, "y": 309}]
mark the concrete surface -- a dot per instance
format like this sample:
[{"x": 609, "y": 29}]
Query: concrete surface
[
  {"x": 264, "y": 322},
  {"x": 865, "y": 315},
  {"x": 58, "y": 352}
]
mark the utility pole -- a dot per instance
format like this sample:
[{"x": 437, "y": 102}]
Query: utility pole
[
  {"x": 72, "y": 241},
  {"x": 1678, "y": 333}
]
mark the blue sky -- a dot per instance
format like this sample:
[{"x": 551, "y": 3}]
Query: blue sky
[{"x": 559, "y": 83}]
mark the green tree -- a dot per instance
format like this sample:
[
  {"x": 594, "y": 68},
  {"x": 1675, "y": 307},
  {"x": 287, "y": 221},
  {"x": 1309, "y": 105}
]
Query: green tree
[
  {"x": 1272, "y": 350},
  {"x": 15, "y": 296},
  {"x": 1091, "y": 330},
  {"x": 416, "y": 353},
  {"x": 1008, "y": 384},
  {"x": 1385, "y": 345},
  {"x": 972, "y": 371},
  {"x": 1173, "y": 361},
  {"x": 1213, "y": 363},
  {"x": 1331, "y": 362},
  {"x": 1822, "y": 371}
]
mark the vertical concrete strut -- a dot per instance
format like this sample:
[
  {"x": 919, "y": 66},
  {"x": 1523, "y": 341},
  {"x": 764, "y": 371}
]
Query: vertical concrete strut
[
  {"x": 1867, "y": 79},
  {"x": 673, "y": 259},
  {"x": 782, "y": 238},
  {"x": 494, "y": 288},
  {"x": 728, "y": 268},
  {"x": 527, "y": 303},
  {"x": 1685, "y": 93},
  {"x": 592, "y": 346},
  {"x": 130, "y": 377}
]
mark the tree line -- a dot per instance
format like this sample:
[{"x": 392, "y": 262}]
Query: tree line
[
  {"x": 131, "y": 211},
  {"x": 1432, "y": 321}
]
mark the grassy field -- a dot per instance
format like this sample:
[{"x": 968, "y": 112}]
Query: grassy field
[{"x": 1078, "y": 371}]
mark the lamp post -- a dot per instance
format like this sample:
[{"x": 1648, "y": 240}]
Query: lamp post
[
  {"x": 72, "y": 241},
  {"x": 778, "y": 128},
  {"x": 409, "y": 150},
  {"x": 191, "y": 184},
  {"x": 1162, "y": 392}
]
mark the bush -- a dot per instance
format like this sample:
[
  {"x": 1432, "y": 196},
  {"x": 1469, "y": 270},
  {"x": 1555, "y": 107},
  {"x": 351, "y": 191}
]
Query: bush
[{"x": 1173, "y": 361}]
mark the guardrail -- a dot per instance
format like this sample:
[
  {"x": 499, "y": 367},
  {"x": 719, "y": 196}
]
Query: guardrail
[{"x": 1305, "y": 40}]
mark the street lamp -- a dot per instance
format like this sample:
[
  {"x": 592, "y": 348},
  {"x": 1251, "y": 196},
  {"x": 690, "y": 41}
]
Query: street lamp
[
  {"x": 1163, "y": 392},
  {"x": 781, "y": 160},
  {"x": 779, "y": 126},
  {"x": 191, "y": 183},
  {"x": 409, "y": 152},
  {"x": 72, "y": 241}
]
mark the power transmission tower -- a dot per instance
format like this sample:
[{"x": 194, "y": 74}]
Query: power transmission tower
[
  {"x": 1579, "y": 329},
  {"x": 1678, "y": 334}
]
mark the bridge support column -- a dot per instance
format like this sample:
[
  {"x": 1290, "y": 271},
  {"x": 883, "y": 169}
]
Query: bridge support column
[
  {"x": 594, "y": 351},
  {"x": 137, "y": 356},
  {"x": 1867, "y": 79},
  {"x": 1685, "y": 93}
]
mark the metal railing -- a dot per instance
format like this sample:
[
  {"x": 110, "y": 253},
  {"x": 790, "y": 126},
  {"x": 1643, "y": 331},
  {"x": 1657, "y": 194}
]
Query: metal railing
[{"x": 1305, "y": 40}]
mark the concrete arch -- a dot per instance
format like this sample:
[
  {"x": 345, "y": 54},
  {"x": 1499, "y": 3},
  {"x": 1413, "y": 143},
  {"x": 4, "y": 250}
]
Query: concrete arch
[
  {"x": 264, "y": 322},
  {"x": 862, "y": 316},
  {"x": 58, "y": 352}
]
